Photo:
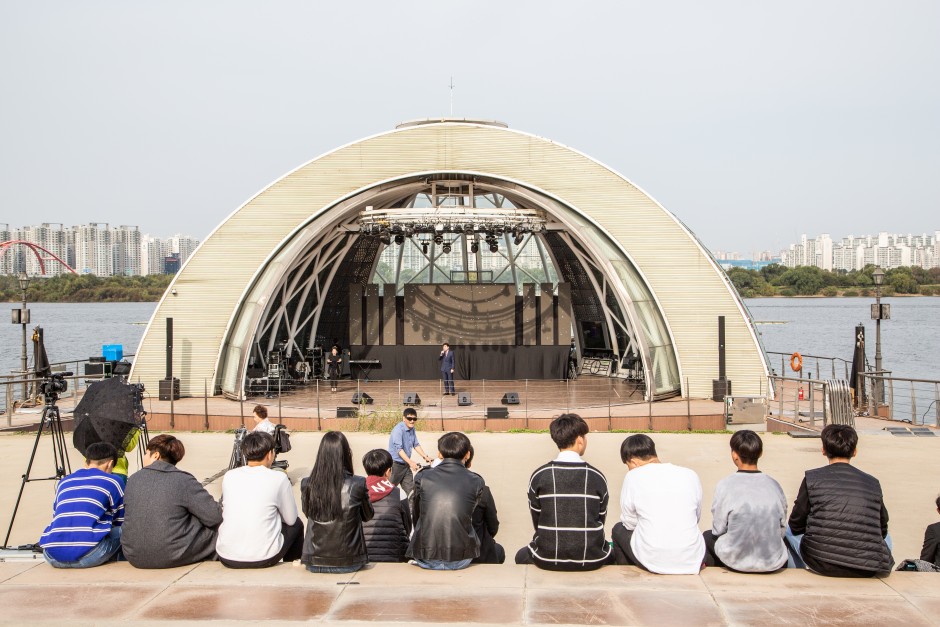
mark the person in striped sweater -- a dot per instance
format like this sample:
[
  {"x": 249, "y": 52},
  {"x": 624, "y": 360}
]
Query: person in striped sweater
[
  {"x": 568, "y": 501},
  {"x": 87, "y": 514}
]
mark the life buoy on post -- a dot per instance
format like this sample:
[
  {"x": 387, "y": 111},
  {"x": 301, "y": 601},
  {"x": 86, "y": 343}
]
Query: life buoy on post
[{"x": 796, "y": 362}]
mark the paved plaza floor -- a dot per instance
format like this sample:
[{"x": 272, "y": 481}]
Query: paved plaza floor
[{"x": 33, "y": 592}]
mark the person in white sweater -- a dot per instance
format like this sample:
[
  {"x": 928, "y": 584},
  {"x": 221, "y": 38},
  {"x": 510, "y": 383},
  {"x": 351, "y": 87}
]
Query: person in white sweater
[
  {"x": 749, "y": 514},
  {"x": 660, "y": 508},
  {"x": 260, "y": 525}
]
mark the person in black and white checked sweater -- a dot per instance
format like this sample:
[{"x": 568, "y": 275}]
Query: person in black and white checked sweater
[{"x": 568, "y": 501}]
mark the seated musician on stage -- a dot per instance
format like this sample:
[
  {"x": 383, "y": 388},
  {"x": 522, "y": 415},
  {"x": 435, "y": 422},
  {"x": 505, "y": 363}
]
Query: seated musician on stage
[
  {"x": 171, "y": 519},
  {"x": 87, "y": 514},
  {"x": 262, "y": 424},
  {"x": 388, "y": 532},
  {"x": 402, "y": 441},
  {"x": 486, "y": 524},
  {"x": 568, "y": 502},
  {"x": 444, "y": 500}
]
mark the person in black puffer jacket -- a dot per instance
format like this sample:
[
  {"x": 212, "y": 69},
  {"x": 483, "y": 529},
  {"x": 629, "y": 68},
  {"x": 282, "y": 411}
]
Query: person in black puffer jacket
[
  {"x": 486, "y": 524},
  {"x": 388, "y": 532},
  {"x": 839, "y": 524}
]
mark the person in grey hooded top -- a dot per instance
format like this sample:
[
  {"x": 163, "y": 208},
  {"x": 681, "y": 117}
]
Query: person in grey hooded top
[{"x": 170, "y": 519}]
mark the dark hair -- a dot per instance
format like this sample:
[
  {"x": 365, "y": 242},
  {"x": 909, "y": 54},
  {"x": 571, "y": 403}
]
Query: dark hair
[
  {"x": 445, "y": 344},
  {"x": 256, "y": 445},
  {"x": 453, "y": 445},
  {"x": 469, "y": 459},
  {"x": 377, "y": 462},
  {"x": 566, "y": 428},
  {"x": 170, "y": 448},
  {"x": 747, "y": 445},
  {"x": 637, "y": 446},
  {"x": 322, "y": 496},
  {"x": 101, "y": 452},
  {"x": 839, "y": 441},
  {"x": 938, "y": 502},
  {"x": 261, "y": 410},
  {"x": 410, "y": 411}
]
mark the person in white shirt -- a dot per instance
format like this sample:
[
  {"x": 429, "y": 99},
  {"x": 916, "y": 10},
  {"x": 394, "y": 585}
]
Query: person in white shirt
[
  {"x": 262, "y": 424},
  {"x": 260, "y": 525},
  {"x": 660, "y": 508}
]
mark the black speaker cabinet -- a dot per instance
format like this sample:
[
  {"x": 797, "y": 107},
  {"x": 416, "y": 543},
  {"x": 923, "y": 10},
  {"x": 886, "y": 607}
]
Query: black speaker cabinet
[
  {"x": 720, "y": 389},
  {"x": 497, "y": 412},
  {"x": 411, "y": 398},
  {"x": 463, "y": 399},
  {"x": 511, "y": 398},
  {"x": 165, "y": 389},
  {"x": 346, "y": 412},
  {"x": 361, "y": 398}
]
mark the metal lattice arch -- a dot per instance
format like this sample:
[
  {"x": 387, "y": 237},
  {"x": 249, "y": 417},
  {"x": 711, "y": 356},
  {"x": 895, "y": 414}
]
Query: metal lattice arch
[{"x": 279, "y": 267}]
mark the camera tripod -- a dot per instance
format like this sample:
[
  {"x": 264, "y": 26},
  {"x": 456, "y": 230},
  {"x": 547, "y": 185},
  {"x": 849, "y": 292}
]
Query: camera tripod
[{"x": 52, "y": 421}]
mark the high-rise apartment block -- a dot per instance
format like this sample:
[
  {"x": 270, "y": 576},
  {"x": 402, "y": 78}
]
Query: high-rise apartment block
[{"x": 854, "y": 253}]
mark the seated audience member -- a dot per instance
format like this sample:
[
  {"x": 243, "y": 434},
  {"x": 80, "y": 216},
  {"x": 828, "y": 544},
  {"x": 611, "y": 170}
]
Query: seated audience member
[
  {"x": 87, "y": 514},
  {"x": 486, "y": 525},
  {"x": 568, "y": 502},
  {"x": 260, "y": 526},
  {"x": 931, "y": 550},
  {"x": 262, "y": 424},
  {"x": 749, "y": 514},
  {"x": 171, "y": 519},
  {"x": 444, "y": 499},
  {"x": 839, "y": 524},
  {"x": 660, "y": 507},
  {"x": 336, "y": 504},
  {"x": 388, "y": 532}
]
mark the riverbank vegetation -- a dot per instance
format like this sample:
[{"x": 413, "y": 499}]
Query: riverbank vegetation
[
  {"x": 778, "y": 280},
  {"x": 87, "y": 288}
]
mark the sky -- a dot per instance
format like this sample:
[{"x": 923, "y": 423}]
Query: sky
[{"x": 752, "y": 122}]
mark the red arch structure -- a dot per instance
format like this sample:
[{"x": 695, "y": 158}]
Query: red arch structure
[{"x": 4, "y": 246}]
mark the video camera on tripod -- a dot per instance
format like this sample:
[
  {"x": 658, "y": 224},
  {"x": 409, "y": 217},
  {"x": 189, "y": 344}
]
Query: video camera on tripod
[{"x": 53, "y": 385}]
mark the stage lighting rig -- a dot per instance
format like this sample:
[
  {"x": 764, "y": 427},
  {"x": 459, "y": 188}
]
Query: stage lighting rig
[
  {"x": 399, "y": 239},
  {"x": 447, "y": 248},
  {"x": 474, "y": 248},
  {"x": 438, "y": 239},
  {"x": 424, "y": 247},
  {"x": 494, "y": 247}
]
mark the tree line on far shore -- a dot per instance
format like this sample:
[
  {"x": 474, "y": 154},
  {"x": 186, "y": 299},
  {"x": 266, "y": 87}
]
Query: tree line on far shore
[
  {"x": 779, "y": 280},
  {"x": 86, "y": 288}
]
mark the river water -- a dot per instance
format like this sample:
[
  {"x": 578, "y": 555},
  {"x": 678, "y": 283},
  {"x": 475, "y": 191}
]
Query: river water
[{"x": 811, "y": 326}]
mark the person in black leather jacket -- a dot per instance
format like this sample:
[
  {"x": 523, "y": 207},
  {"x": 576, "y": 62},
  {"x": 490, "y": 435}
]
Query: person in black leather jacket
[
  {"x": 445, "y": 497},
  {"x": 336, "y": 504}
]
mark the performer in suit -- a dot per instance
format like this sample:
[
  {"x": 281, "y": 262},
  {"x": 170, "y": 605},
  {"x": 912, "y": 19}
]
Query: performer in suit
[
  {"x": 333, "y": 361},
  {"x": 447, "y": 369}
]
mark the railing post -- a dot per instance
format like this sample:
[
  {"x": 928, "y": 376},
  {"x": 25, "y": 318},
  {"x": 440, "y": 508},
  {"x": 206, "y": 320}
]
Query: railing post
[
  {"x": 567, "y": 396},
  {"x": 609, "y": 386},
  {"x": 891, "y": 394},
  {"x": 913, "y": 405},
  {"x": 812, "y": 404},
  {"x": 280, "y": 420},
  {"x": 205, "y": 397},
  {"x": 527, "y": 402},
  {"x": 779, "y": 383},
  {"x": 241, "y": 408},
  {"x": 936, "y": 404},
  {"x": 825, "y": 409},
  {"x": 319, "y": 418},
  {"x": 688, "y": 404}
]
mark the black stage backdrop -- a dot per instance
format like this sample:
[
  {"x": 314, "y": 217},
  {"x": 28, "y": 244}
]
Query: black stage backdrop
[{"x": 471, "y": 362}]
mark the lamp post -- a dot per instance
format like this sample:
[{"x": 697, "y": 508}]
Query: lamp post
[
  {"x": 878, "y": 276},
  {"x": 24, "y": 320}
]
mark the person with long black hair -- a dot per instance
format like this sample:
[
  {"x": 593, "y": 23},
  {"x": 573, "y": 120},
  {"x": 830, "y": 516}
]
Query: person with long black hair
[{"x": 336, "y": 504}]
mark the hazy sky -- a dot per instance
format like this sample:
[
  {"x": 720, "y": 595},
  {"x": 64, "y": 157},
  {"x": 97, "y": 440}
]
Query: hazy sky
[{"x": 753, "y": 122}]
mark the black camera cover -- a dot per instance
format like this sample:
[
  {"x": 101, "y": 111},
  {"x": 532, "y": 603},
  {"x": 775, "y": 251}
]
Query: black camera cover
[{"x": 106, "y": 414}]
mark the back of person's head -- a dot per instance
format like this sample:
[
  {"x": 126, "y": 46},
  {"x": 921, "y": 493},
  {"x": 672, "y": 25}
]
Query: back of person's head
[
  {"x": 637, "y": 446},
  {"x": 100, "y": 453},
  {"x": 257, "y": 445},
  {"x": 321, "y": 498},
  {"x": 839, "y": 441},
  {"x": 469, "y": 459},
  {"x": 260, "y": 411},
  {"x": 410, "y": 411},
  {"x": 171, "y": 450},
  {"x": 566, "y": 429},
  {"x": 453, "y": 445},
  {"x": 938, "y": 503},
  {"x": 377, "y": 462},
  {"x": 747, "y": 445}
]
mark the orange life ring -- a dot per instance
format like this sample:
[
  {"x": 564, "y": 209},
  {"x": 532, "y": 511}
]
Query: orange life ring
[{"x": 796, "y": 362}]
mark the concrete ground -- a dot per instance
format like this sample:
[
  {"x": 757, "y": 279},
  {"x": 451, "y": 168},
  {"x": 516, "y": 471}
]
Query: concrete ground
[{"x": 907, "y": 468}]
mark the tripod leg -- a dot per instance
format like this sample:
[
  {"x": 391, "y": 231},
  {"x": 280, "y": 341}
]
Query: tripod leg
[
  {"x": 60, "y": 450},
  {"x": 29, "y": 467}
]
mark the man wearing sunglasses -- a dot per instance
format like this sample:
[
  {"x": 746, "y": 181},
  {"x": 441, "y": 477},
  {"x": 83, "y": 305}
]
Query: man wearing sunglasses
[{"x": 401, "y": 444}]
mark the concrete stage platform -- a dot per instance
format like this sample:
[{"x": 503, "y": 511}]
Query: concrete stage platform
[{"x": 487, "y": 594}]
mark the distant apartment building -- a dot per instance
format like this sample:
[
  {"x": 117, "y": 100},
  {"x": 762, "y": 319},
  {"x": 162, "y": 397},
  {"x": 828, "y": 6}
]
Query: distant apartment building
[
  {"x": 93, "y": 248},
  {"x": 854, "y": 253}
]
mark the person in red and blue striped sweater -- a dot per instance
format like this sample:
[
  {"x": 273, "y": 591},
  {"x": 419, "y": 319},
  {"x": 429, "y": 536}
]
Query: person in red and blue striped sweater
[{"x": 87, "y": 514}]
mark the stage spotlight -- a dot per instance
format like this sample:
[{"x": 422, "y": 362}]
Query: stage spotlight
[
  {"x": 468, "y": 228},
  {"x": 447, "y": 248},
  {"x": 399, "y": 239},
  {"x": 385, "y": 237},
  {"x": 438, "y": 239},
  {"x": 517, "y": 239},
  {"x": 424, "y": 247},
  {"x": 494, "y": 247},
  {"x": 474, "y": 248},
  {"x": 409, "y": 231},
  {"x": 439, "y": 226}
]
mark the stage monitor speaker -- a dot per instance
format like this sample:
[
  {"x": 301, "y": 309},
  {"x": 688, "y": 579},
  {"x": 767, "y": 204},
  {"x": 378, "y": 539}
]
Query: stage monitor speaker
[
  {"x": 361, "y": 398},
  {"x": 165, "y": 387},
  {"x": 497, "y": 412},
  {"x": 411, "y": 398},
  {"x": 511, "y": 398},
  {"x": 463, "y": 399},
  {"x": 346, "y": 412}
]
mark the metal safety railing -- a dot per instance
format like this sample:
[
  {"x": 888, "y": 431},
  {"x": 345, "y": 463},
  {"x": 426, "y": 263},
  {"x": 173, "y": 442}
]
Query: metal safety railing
[
  {"x": 916, "y": 401},
  {"x": 800, "y": 400},
  {"x": 822, "y": 367}
]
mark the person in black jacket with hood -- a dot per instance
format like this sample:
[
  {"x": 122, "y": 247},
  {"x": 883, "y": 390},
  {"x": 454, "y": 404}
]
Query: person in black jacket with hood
[
  {"x": 486, "y": 525},
  {"x": 388, "y": 532},
  {"x": 839, "y": 524}
]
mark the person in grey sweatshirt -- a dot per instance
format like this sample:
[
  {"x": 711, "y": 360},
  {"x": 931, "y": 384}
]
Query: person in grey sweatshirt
[
  {"x": 170, "y": 519},
  {"x": 749, "y": 514}
]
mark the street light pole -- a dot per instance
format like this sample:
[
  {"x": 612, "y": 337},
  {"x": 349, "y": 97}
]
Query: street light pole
[
  {"x": 878, "y": 276},
  {"x": 24, "y": 320}
]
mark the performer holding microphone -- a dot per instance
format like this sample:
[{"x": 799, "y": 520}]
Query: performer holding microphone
[{"x": 447, "y": 369}]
